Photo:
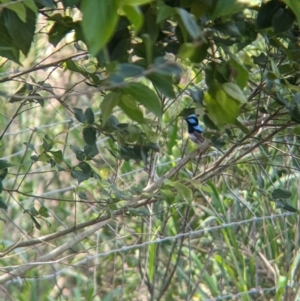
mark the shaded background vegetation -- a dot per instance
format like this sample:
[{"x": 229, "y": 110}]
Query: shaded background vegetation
[{"x": 102, "y": 195}]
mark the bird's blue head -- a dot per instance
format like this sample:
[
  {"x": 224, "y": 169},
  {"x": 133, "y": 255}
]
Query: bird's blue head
[{"x": 193, "y": 124}]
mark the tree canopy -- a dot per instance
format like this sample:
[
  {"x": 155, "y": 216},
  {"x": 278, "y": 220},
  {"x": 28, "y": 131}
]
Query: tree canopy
[{"x": 102, "y": 195}]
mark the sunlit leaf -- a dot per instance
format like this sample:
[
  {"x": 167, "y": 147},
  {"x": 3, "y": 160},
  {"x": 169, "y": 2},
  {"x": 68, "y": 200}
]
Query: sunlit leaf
[{"x": 98, "y": 22}]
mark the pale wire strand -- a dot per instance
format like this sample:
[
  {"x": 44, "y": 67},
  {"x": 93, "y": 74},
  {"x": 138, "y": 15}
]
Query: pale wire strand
[
  {"x": 159, "y": 240},
  {"x": 123, "y": 249}
]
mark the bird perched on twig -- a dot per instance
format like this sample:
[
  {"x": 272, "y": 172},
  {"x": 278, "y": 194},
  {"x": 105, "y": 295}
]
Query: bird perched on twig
[{"x": 194, "y": 129}]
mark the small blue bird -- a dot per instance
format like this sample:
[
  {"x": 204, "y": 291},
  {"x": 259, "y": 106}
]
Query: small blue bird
[{"x": 194, "y": 129}]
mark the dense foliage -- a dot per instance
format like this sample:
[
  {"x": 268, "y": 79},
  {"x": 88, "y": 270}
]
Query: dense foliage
[{"x": 102, "y": 196}]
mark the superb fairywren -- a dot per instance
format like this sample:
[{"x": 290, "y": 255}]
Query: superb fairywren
[{"x": 194, "y": 129}]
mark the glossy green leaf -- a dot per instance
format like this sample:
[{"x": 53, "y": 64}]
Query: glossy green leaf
[
  {"x": 227, "y": 7},
  {"x": 89, "y": 135},
  {"x": 130, "y": 70},
  {"x": 145, "y": 96},
  {"x": 98, "y": 22},
  {"x": 163, "y": 83},
  {"x": 189, "y": 22},
  {"x": 31, "y": 5},
  {"x": 44, "y": 212},
  {"x": 2, "y": 204},
  {"x": 7, "y": 47},
  {"x": 21, "y": 32},
  {"x": 4, "y": 165},
  {"x": 242, "y": 73},
  {"x": 81, "y": 172},
  {"x": 20, "y": 10},
  {"x": 31, "y": 211},
  {"x": 107, "y": 105},
  {"x": 90, "y": 117},
  {"x": 166, "y": 67},
  {"x": 48, "y": 143},
  {"x": 266, "y": 13},
  {"x": 164, "y": 11},
  {"x": 59, "y": 30},
  {"x": 36, "y": 223},
  {"x": 79, "y": 115},
  {"x": 90, "y": 151},
  {"x": 70, "y": 3},
  {"x": 184, "y": 191},
  {"x": 135, "y": 2},
  {"x": 283, "y": 20},
  {"x": 235, "y": 92},
  {"x": 57, "y": 156},
  {"x": 279, "y": 203},
  {"x": 281, "y": 194},
  {"x": 135, "y": 16},
  {"x": 195, "y": 52},
  {"x": 221, "y": 108},
  {"x": 46, "y": 3},
  {"x": 130, "y": 108},
  {"x": 295, "y": 7},
  {"x": 80, "y": 155}
]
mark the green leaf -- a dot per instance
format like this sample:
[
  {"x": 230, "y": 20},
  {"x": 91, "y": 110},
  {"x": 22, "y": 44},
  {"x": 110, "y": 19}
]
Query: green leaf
[
  {"x": 145, "y": 96},
  {"x": 235, "y": 92},
  {"x": 135, "y": 16},
  {"x": 107, "y": 105},
  {"x": 266, "y": 13},
  {"x": 189, "y": 22},
  {"x": 57, "y": 155},
  {"x": 281, "y": 194},
  {"x": 90, "y": 117},
  {"x": 2, "y": 204},
  {"x": 184, "y": 191},
  {"x": 81, "y": 172},
  {"x": 79, "y": 115},
  {"x": 163, "y": 83},
  {"x": 135, "y": 2},
  {"x": 31, "y": 5},
  {"x": 47, "y": 143},
  {"x": 19, "y": 9},
  {"x": 128, "y": 105},
  {"x": 80, "y": 156},
  {"x": 59, "y": 29},
  {"x": 222, "y": 109},
  {"x": 7, "y": 47},
  {"x": 44, "y": 212},
  {"x": 36, "y": 223},
  {"x": 279, "y": 203},
  {"x": 70, "y": 3},
  {"x": 5, "y": 164},
  {"x": 29, "y": 146},
  {"x": 46, "y": 3},
  {"x": 227, "y": 7},
  {"x": 166, "y": 67},
  {"x": 31, "y": 211},
  {"x": 283, "y": 20},
  {"x": 98, "y": 22},
  {"x": 195, "y": 52},
  {"x": 295, "y": 7},
  {"x": 21, "y": 32},
  {"x": 90, "y": 151},
  {"x": 130, "y": 70},
  {"x": 164, "y": 11},
  {"x": 242, "y": 73},
  {"x": 89, "y": 135}
]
